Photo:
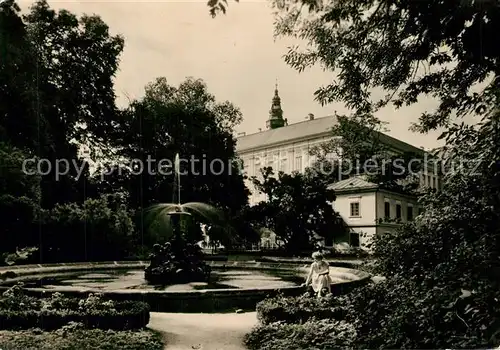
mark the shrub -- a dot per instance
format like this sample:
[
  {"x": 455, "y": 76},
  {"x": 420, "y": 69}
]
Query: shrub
[
  {"x": 18, "y": 311},
  {"x": 75, "y": 337},
  {"x": 100, "y": 229},
  {"x": 298, "y": 309},
  {"x": 313, "y": 334}
]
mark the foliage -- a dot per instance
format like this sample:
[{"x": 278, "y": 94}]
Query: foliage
[
  {"x": 358, "y": 147},
  {"x": 297, "y": 309},
  {"x": 169, "y": 120},
  {"x": 20, "y": 255},
  {"x": 243, "y": 233},
  {"x": 298, "y": 209},
  {"x": 99, "y": 229},
  {"x": 406, "y": 49},
  {"x": 441, "y": 288},
  {"x": 75, "y": 337},
  {"x": 313, "y": 334},
  {"x": 450, "y": 260},
  {"x": 56, "y": 78},
  {"x": 217, "y": 6},
  {"x": 19, "y": 199},
  {"x": 19, "y": 311},
  {"x": 56, "y": 95}
]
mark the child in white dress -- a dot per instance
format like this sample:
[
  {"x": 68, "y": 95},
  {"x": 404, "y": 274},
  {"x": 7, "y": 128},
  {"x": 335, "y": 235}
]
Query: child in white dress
[{"x": 319, "y": 275}]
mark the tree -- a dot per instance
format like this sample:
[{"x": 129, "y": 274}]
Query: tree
[
  {"x": 100, "y": 229},
  {"x": 407, "y": 49},
  {"x": 298, "y": 209},
  {"x": 442, "y": 287},
  {"x": 56, "y": 79},
  {"x": 170, "y": 120},
  {"x": 19, "y": 200},
  {"x": 19, "y": 126},
  {"x": 358, "y": 147}
]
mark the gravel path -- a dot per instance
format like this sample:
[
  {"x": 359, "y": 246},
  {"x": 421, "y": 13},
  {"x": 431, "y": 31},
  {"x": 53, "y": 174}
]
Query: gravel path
[{"x": 203, "y": 331}]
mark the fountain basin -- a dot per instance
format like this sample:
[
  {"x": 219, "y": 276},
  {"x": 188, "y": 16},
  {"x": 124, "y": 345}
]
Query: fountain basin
[{"x": 243, "y": 283}]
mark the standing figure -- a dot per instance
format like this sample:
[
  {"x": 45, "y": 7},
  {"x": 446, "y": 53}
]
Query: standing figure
[{"x": 319, "y": 275}]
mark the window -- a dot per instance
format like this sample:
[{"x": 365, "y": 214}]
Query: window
[
  {"x": 420, "y": 211},
  {"x": 257, "y": 161},
  {"x": 269, "y": 162},
  {"x": 433, "y": 182},
  {"x": 355, "y": 209},
  {"x": 398, "y": 211},
  {"x": 298, "y": 163},
  {"x": 283, "y": 165},
  {"x": 409, "y": 213},
  {"x": 428, "y": 181},
  {"x": 387, "y": 210}
]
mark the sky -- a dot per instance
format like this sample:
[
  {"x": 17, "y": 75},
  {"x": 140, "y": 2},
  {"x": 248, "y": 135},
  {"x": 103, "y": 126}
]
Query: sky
[{"x": 236, "y": 55}]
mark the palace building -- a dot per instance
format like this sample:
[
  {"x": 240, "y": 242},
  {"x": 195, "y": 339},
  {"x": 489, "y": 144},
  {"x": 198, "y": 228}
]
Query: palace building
[{"x": 363, "y": 205}]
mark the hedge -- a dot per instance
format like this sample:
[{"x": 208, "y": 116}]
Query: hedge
[
  {"x": 125, "y": 315},
  {"x": 20, "y": 311},
  {"x": 68, "y": 338},
  {"x": 311, "y": 335},
  {"x": 298, "y": 309}
]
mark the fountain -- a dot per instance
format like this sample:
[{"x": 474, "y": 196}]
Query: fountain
[{"x": 178, "y": 261}]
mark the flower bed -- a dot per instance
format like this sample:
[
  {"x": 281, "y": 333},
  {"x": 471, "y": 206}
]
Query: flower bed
[
  {"x": 18, "y": 311},
  {"x": 75, "y": 337}
]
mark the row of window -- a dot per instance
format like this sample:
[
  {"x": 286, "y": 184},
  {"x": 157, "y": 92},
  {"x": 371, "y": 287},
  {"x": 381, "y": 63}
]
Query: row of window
[
  {"x": 355, "y": 211},
  {"x": 430, "y": 181},
  {"x": 399, "y": 211},
  {"x": 279, "y": 165}
]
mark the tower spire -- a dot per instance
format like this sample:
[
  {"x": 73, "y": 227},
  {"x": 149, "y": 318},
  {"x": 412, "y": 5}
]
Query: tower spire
[{"x": 276, "y": 113}]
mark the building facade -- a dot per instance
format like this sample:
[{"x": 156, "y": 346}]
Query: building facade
[
  {"x": 286, "y": 147},
  {"x": 369, "y": 210}
]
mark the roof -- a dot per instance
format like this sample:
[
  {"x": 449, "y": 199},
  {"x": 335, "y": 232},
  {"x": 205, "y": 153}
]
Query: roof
[
  {"x": 353, "y": 183},
  {"x": 301, "y": 130},
  {"x": 306, "y": 130}
]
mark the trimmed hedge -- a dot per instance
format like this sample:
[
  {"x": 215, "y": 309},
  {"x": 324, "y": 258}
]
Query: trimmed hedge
[
  {"x": 125, "y": 315},
  {"x": 298, "y": 309},
  {"x": 71, "y": 338},
  {"x": 19, "y": 311},
  {"x": 311, "y": 335}
]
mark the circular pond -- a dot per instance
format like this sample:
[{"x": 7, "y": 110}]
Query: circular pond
[
  {"x": 232, "y": 285},
  {"x": 133, "y": 279}
]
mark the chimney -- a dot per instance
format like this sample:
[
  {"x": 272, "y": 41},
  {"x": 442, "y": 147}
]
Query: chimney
[
  {"x": 241, "y": 134},
  {"x": 260, "y": 129},
  {"x": 310, "y": 116}
]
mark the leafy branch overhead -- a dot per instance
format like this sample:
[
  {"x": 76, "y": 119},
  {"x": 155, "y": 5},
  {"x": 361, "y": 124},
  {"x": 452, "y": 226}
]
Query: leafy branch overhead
[
  {"x": 218, "y": 6},
  {"x": 407, "y": 49},
  {"x": 386, "y": 52}
]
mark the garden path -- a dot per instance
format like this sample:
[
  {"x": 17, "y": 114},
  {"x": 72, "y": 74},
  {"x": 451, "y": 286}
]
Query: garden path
[{"x": 203, "y": 331}]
